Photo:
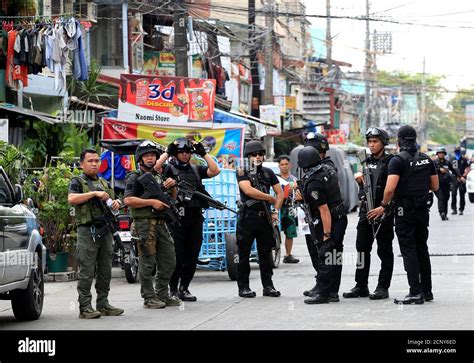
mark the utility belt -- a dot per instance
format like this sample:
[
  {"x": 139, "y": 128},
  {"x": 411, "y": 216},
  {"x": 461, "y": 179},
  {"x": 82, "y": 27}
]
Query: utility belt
[
  {"x": 339, "y": 211},
  {"x": 158, "y": 220},
  {"x": 256, "y": 213},
  {"x": 416, "y": 202}
]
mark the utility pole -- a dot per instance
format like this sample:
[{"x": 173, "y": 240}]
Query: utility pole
[
  {"x": 367, "y": 74},
  {"x": 268, "y": 92},
  {"x": 180, "y": 39},
  {"x": 422, "y": 129},
  {"x": 328, "y": 34},
  {"x": 253, "y": 62}
]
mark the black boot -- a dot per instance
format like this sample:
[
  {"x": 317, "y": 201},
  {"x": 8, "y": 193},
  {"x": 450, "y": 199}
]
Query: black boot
[
  {"x": 317, "y": 299},
  {"x": 310, "y": 292},
  {"x": 246, "y": 292},
  {"x": 410, "y": 299},
  {"x": 379, "y": 293},
  {"x": 356, "y": 292},
  {"x": 185, "y": 295},
  {"x": 271, "y": 291}
]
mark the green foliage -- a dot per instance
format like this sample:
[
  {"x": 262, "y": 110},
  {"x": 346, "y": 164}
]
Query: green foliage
[
  {"x": 14, "y": 161},
  {"x": 49, "y": 189},
  {"x": 76, "y": 140},
  {"x": 45, "y": 140}
]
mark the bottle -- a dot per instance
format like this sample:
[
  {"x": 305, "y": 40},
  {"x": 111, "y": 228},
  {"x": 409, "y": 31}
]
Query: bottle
[{"x": 109, "y": 203}]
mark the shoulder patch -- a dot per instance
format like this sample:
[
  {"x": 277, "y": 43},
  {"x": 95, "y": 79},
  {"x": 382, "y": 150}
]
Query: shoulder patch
[{"x": 315, "y": 194}]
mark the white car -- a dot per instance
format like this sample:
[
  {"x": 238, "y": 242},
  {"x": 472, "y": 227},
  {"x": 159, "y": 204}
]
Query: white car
[{"x": 470, "y": 185}]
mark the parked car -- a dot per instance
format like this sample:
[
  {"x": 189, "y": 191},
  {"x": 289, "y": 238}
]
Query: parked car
[
  {"x": 22, "y": 253},
  {"x": 470, "y": 185}
]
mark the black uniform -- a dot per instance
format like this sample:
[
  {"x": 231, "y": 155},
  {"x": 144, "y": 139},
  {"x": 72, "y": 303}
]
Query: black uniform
[
  {"x": 321, "y": 187},
  {"x": 365, "y": 237},
  {"x": 313, "y": 251},
  {"x": 412, "y": 199},
  {"x": 187, "y": 237},
  {"x": 252, "y": 224},
  {"x": 460, "y": 165},
  {"x": 445, "y": 181}
]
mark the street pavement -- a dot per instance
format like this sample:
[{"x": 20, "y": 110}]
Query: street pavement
[{"x": 219, "y": 307}]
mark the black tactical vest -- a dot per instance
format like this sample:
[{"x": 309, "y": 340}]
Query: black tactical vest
[
  {"x": 379, "y": 175},
  {"x": 189, "y": 174},
  {"x": 328, "y": 177},
  {"x": 415, "y": 181}
]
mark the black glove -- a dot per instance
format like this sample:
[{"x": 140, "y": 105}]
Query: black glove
[
  {"x": 172, "y": 149},
  {"x": 199, "y": 149}
]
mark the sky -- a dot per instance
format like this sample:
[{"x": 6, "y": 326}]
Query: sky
[{"x": 447, "y": 51}]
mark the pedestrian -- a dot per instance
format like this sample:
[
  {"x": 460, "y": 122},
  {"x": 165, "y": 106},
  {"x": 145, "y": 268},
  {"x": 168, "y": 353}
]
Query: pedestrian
[
  {"x": 253, "y": 223},
  {"x": 411, "y": 176},
  {"x": 463, "y": 166},
  {"x": 288, "y": 209},
  {"x": 188, "y": 236},
  {"x": 447, "y": 175},
  {"x": 382, "y": 230},
  {"x": 94, "y": 240},
  {"x": 322, "y": 196},
  {"x": 155, "y": 245},
  {"x": 321, "y": 143}
]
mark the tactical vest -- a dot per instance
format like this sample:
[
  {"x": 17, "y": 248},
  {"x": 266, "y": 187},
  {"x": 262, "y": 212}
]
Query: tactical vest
[
  {"x": 327, "y": 175},
  {"x": 380, "y": 178},
  {"x": 88, "y": 212},
  {"x": 145, "y": 212},
  {"x": 190, "y": 175},
  {"x": 415, "y": 181}
]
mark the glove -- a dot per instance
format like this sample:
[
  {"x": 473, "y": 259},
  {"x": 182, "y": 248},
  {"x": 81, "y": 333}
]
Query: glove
[
  {"x": 172, "y": 149},
  {"x": 199, "y": 149}
]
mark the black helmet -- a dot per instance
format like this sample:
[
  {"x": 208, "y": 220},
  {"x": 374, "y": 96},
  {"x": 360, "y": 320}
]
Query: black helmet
[
  {"x": 319, "y": 141},
  {"x": 378, "y": 133},
  {"x": 184, "y": 144},
  {"x": 253, "y": 146},
  {"x": 407, "y": 134},
  {"x": 441, "y": 150},
  {"x": 145, "y": 147},
  {"x": 308, "y": 157}
]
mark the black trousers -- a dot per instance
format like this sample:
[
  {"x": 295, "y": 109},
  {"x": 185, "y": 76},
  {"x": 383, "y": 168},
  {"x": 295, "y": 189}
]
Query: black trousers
[
  {"x": 443, "y": 197},
  {"x": 313, "y": 251},
  {"x": 253, "y": 226},
  {"x": 411, "y": 226},
  {"x": 462, "y": 196},
  {"x": 330, "y": 258},
  {"x": 364, "y": 242},
  {"x": 187, "y": 242}
]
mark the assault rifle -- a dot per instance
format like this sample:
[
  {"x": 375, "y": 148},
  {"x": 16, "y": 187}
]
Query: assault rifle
[
  {"x": 154, "y": 190},
  {"x": 188, "y": 191}
]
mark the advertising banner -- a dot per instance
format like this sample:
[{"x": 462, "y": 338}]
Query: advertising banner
[
  {"x": 218, "y": 142},
  {"x": 159, "y": 63},
  {"x": 167, "y": 101},
  {"x": 271, "y": 114}
]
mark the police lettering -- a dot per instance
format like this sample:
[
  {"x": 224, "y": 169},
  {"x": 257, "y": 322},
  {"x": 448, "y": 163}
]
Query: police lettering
[{"x": 422, "y": 162}]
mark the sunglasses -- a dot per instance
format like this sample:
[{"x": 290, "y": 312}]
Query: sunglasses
[
  {"x": 258, "y": 153},
  {"x": 373, "y": 131}
]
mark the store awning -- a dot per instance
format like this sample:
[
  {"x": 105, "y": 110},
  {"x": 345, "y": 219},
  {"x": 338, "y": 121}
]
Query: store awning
[{"x": 36, "y": 114}]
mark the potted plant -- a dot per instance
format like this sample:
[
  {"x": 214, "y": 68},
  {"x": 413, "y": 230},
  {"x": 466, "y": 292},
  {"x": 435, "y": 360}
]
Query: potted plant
[{"x": 49, "y": 190}]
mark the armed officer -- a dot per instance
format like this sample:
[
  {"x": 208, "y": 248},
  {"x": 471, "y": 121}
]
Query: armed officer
[
  {"x": 322, "y": 195},
  {"x": 447, "y": 176},
  {"x": 155, "y": 245},
  {"x": 377, "y": 166},
  {"x": 188, "y": 236},
  {"x": 254, "y": 223},
  {"x": 463, "y": 166},
  {"x": 411, "y": 175},
  {"x": 321, "y": 143},
  {"x": 94, "y": 240}
]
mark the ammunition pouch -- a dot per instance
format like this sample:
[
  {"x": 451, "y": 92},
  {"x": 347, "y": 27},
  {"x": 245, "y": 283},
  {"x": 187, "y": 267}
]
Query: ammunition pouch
[
  {"x": 338, "y": 211},
  {"x": 423, "y": 202}
]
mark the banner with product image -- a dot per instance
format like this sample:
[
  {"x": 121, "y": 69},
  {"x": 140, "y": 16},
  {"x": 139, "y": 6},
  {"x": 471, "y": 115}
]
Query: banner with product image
[{"x": 167, "y": 101}]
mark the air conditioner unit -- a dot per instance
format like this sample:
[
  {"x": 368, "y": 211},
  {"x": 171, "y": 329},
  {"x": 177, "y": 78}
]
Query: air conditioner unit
[{"x": 86, "y": 11}]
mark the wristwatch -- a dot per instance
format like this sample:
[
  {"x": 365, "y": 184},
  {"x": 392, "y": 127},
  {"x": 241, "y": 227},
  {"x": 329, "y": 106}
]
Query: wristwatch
[
  {"x": 383, "y": 205},
  {"x": 327, "y": 234}
]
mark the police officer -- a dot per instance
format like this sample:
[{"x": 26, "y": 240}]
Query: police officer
[
  {"x": 94, "y": 240},
  {"x": 188, "y": 236},
  {"x": 322, "y": 194},
  {"x": 446, "y": 172},
  {"x": 463, "y": 166},
  {"x": 155, "y": 245},
  {"x": 253, "y": 223},
  {"x": 321, "y": 143},
  {"x": 377, "y": 165},
  {"x": 411, "y": 175}
]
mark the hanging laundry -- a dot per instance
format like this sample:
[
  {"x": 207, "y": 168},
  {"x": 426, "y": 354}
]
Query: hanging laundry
[{"x": 81, "y": 71}]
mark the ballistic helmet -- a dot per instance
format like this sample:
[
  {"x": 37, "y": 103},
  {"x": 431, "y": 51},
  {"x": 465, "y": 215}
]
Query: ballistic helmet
[
  {"x": 308, "y": 157},
  {"x": 253, "y": 147},
  {"x": 319, "y": 141},
  {"x": 378, "y": 133},
  {"x": 441, "y": 150},
  {"x": 146, "y": 147}
]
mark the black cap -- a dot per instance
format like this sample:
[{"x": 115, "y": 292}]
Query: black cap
[
  {"x": 253, "y": 146},
  {"x": 407, "y": 133}
]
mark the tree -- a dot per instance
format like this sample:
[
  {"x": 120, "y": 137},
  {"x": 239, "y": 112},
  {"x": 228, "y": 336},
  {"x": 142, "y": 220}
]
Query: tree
[{"x": 14, "y": 161}]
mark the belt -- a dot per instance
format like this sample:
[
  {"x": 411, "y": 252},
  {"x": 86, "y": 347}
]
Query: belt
[
  {"x": 158, "y": 221},
  {"x": 259, "y": 213}
]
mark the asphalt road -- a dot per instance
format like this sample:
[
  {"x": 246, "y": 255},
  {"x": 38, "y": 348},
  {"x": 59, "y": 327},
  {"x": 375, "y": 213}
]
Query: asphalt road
[{"x": 219, "y": 307}]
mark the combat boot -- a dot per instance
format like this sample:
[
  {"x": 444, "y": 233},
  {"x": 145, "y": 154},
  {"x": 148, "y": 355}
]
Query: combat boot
[
  {"x": 454, "y": 211},
  {"x": 185, "y": 295},
  {"x": 153, "y": 303},
  {"x": 379, "y": 293},
  {"x": 246, "y": 292},
  {"x": 356, "y": 292},
  {"x": 310, "y": 292},
  {"x": 428, "y": 296},
  {"x": 461, "y": 212},
  {"x": 317, "y": 299},
  {"x": 171, "y": 300},
  {"x": 410, "y": 299},
  {"x": 333, "y": 297},
  {"x": 109, "y": 310},
  {"x": 271, "y": 291},
  {"x": 89, "y": 313}
]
